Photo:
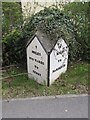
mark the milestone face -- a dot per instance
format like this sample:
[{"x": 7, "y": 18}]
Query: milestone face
[
  {"x": 46, "y": 68},
  {"x": 58, "y": 60},
  {"x": 61, "y": 51}
]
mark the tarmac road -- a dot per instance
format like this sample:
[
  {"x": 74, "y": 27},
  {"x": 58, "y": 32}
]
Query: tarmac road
[{"x": 68, "y": 106}]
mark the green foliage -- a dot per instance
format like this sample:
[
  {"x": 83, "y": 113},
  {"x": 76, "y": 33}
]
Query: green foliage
[
  {"x": 74, "y": 81},
  {"x": 55, "y": 24},
  {"x": 79, "y": 12},
  {"x": 13, "y": 45},
  {"x": 12, "y": 16},
  {"x": 11, "y": 31},
  {"x": 73, "y": 28}
]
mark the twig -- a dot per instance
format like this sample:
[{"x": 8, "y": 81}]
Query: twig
[
  {"x": 7, "y": 67},
  {"x": 13, "y": 76}
]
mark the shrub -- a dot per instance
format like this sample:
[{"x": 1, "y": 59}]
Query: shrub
[
  {"x": 51, "y": 21},
  {"x": 55, "y": 24},
  {"x": 12, "y": 17},
  {"x": 13, "y": 47},
  {"x": 79, "y": 12}
]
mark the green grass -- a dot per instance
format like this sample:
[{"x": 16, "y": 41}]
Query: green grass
[{"x": 74, "y": 81}]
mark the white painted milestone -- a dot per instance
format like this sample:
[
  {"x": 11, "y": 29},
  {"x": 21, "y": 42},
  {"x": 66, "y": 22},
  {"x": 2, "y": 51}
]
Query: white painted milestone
[
  {"x": 58, "y": 60},
  {"x": 37, "y": 61},
  {"x": 46, "y": 60}
]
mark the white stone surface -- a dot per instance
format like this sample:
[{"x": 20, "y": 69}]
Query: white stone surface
[
  {"x": 58, "y": 61},
  {"x": 42, "y": 69}
]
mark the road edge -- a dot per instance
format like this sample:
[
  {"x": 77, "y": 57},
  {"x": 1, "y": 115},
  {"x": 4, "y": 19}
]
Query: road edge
[{"x": 47, "y": 97}]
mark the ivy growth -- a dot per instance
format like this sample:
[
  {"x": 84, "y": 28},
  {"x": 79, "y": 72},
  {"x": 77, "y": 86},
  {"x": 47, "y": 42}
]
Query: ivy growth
[
  {"x": 56, "y": 25},
  {"x": 53, "y": 23}
]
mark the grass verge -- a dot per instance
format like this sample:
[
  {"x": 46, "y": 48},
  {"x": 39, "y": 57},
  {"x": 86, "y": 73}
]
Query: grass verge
[{"x": 74, "y": 81}]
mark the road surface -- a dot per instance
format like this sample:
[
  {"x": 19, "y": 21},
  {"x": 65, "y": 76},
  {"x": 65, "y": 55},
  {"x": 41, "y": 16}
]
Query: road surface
[{"x": 47, "y": 107}]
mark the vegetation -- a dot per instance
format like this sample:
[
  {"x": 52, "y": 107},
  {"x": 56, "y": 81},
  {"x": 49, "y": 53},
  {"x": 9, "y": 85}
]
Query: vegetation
[
  {"x": 12, "y": 17},
  {"x": 56, "y": 25},
  {"x": 74, "y": 81},
  {"x": 79, "y": 14},
  {"x": 52, "y": 22},
  {"x": 72, "y": 24},
  {"x": 11, "y": 26},
  {"x": 13, "y": 51}
]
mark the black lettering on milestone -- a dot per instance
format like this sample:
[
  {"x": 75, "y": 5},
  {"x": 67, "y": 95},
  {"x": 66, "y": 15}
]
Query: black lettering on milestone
[
  {"x": 38, "y": 61},
  {"x": 31, "y": 58},
  {"x": 36, "y": 53},
  {"x": 36, "y": 73},
  {"x": 58, "y": 68}
]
